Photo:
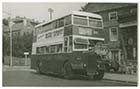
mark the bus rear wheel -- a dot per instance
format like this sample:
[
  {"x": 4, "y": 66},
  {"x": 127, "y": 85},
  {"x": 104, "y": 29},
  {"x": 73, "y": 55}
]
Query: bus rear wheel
[
  {"x": 99, "y": 75},
  {"x": 67, "y": 71}
]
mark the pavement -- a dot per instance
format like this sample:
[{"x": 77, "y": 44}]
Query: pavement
[
  {"x": 16, "y": 68},
  {"x": 107, "y": 76},
  {"x": 121, "y": 77}
]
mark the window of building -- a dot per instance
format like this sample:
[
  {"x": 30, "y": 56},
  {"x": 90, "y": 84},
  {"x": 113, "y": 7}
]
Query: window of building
[
  {"x": 133, "y": 10},
  {"x": 134, "y": 52},
  {"x": 113, "y": 16},
  {"x": 113, "y": 34}
]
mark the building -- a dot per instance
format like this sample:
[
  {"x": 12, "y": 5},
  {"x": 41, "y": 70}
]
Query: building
[
  {"x": 21, "y": 26},
  {"x": 120, "y": 30},
  {"x": 22, "y": 33}
]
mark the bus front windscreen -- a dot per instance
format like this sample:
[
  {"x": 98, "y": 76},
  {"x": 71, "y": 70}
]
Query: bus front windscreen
[{"x": 80, "y": 43}]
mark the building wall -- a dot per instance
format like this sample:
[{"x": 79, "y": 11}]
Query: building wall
[
  {"x": 126, "y": 13},
  {"x": 21, "y": 26}
]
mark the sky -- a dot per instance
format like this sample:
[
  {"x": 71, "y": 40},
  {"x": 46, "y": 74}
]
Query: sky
[{"x": 39, "y": 11}]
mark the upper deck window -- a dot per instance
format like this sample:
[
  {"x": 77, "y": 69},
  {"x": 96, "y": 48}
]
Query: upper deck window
[
  {"x": 95, "y": 22},
  {"x": 67, "y": 20},
  {"x": 47, "y": 27},
  {"x": 54, "y": 24},
  {"x": 60, "y": 22},
  {"x": 80, "y": 20}
]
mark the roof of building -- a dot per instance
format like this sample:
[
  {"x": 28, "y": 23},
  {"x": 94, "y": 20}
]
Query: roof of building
[
  {"x": 18, "y": 27},
  {"x": 97, "y": 7}
]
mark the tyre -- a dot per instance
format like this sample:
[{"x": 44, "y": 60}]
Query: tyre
[
  {"x": 67, "y": 71},
  {"x": 99, "y": 75}
]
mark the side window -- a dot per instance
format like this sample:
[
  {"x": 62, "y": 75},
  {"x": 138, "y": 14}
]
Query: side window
[
  {"x": 65, "y": 44},
  {"x": 53, "y": 49},
  {"x": 54, "y": 25},
  {"x": 41, "y": 50},
  {"x": 47, "y": 49},
  {"x": 59, "y": 48},
  {"x": 60, "y": 22},
  {"x": 113, "y": 16},
  {"x": 70, "y": 44}
]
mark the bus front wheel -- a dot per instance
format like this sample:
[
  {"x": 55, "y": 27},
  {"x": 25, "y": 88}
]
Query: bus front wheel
[
  {"x": 67, "y": 71},
  {"x": 99, "y": 75}
]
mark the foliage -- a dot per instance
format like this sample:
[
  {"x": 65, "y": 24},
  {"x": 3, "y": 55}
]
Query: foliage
[
  {"x": 20, "y": 44},
  {"x": 5, "y": 22}
]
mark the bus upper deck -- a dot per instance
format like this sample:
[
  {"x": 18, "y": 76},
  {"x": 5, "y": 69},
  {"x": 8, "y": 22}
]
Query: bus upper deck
[{"x": 77, "y": 18}]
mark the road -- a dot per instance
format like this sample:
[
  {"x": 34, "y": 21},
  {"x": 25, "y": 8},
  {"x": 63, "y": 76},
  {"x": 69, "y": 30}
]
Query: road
[{"x": 31, "y": 78}]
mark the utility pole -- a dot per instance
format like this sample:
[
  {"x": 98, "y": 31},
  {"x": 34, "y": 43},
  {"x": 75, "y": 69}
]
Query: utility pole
[
  {"x": 50, "y": 10},
  {"x": 10, "y": 28}
]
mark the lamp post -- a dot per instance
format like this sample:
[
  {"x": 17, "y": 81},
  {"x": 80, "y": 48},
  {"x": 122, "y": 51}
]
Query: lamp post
[
  {"x": 10, "y": 28},
  {"x": 50, "y": 10}
]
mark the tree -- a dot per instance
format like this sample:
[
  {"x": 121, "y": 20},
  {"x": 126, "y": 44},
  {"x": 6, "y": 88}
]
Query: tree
[
  {"x": 83, "y": 8},
  {"x": 5, "y": 22}
]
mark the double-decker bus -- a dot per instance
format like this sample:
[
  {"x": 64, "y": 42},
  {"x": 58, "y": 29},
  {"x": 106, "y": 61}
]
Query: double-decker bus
[{"x": 69, "y": 46}]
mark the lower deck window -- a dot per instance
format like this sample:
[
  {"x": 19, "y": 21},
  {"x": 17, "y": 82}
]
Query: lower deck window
[
  {"x": 59, "y": 48},
  {"x": 49, "y": 49}
]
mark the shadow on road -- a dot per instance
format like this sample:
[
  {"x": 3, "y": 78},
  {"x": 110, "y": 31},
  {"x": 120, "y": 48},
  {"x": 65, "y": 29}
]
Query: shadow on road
[{"x": 76, "y": 77}]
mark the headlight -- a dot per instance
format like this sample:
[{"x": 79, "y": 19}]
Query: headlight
[
  {"x": 98, "y": 65},
  {"x": 84, "y": 65}
]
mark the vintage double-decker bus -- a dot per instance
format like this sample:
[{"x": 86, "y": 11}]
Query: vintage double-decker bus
[{"x": 69, "y": 45}]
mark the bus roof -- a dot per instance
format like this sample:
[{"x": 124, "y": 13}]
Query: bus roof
[{"x": 74, "y": 13}]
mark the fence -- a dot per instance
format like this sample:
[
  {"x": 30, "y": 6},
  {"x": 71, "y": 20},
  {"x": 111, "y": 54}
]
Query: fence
[{"x": 16, "y": 61}]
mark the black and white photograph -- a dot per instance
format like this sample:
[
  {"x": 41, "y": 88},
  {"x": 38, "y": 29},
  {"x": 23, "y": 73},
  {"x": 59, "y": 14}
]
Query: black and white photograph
[{"x": 68, "y": 44}]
